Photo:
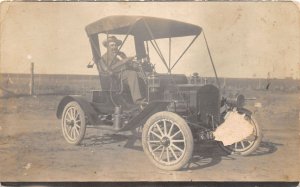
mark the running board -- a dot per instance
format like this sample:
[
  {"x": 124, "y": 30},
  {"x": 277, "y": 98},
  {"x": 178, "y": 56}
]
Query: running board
[{"x": 105, "y": 127}]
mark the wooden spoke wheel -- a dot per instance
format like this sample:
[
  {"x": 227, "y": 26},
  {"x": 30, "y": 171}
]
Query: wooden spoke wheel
[
  {"x": 167, "y": 140},
  {"x": 73, "y": 123},
  {"x": 248, "y": 145}
]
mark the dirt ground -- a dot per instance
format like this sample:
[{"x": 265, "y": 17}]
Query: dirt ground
[{"x": 32, "y": 148}]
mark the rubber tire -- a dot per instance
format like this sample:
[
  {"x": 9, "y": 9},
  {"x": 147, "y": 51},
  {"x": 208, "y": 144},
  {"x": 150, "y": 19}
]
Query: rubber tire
[
  {"x": 252, "y": 148},
  {"x": 186, "y": 132},
  {"x": 83, "y": 123}
]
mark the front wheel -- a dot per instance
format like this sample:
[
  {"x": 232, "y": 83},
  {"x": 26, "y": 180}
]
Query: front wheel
[
  {"x": 167, "y": 141},
  {"x": 73, "y": 123},
  {"x": 248, "y": 145}
]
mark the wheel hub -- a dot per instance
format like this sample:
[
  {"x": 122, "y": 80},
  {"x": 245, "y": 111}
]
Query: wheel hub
[
  {"x": 165, "y": 141},
  {"x": 71, "y": 123}
]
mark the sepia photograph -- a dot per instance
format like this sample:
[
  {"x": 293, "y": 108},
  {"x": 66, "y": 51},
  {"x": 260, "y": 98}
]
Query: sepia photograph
[{"x": 149, "y": 91}]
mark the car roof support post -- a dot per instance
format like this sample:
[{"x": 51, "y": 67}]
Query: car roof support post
[
  {"x": 185, "y": 51},
  {"x": 96, "y": 52},
  {"x": 170, "y": 44},
  {"x": 211, "y": 60},
  {"x": 129, "y": 30},
  {"x": 156, "y": 47}
]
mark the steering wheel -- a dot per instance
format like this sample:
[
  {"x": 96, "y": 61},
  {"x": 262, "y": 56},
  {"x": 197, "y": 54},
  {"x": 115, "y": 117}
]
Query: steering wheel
[
  {"x": 142, "y": 64},
  {"x": 127, "y": 60},
  {"x": 132, "y": 62}
]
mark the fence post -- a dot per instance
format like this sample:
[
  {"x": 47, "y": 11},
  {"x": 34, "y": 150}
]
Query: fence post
[{"x": 32, "y": 79}]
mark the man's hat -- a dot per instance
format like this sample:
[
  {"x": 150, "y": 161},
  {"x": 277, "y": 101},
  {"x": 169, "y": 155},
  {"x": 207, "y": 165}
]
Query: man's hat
[{"x": 112, "y": 39}]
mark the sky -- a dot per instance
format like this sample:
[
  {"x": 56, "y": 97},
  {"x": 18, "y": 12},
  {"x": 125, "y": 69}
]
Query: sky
[{"x": 246, "y": 39}]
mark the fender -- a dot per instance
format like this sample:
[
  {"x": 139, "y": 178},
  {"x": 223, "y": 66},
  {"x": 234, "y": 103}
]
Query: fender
[
  {"x": 84, "y": 104},
  {"x": 244, "y": 111},
  {"x": 149, "y": 110}
]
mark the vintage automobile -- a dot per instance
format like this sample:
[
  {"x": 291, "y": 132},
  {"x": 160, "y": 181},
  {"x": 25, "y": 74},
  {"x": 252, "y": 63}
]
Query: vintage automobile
[{"x": 177, "y": 112}]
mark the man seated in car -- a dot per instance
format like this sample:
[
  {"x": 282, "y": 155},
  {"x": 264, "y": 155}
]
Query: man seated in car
[{"x": 114, "y": 62}]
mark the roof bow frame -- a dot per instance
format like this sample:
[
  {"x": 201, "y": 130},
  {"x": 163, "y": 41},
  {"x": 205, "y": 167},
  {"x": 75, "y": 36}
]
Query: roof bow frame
[{"x": 161, "y": 28}]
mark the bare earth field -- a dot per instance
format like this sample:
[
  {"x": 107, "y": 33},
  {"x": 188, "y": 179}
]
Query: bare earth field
[{"x": 32, "y": 148}]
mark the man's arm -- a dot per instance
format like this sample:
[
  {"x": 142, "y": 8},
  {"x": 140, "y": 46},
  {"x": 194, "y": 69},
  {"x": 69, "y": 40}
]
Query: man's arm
[
  {"x": 122, "y": 55},
  {"x": 103, "y": 64},
  {"x": 120, "y": 62},
  {"x": 104, "y": 67}
]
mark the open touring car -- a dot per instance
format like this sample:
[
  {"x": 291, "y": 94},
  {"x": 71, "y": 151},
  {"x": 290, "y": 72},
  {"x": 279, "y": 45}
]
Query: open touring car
[{"x": 175, "y": 113}]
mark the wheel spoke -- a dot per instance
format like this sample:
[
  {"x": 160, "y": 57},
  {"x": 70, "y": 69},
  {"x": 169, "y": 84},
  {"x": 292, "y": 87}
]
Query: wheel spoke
[
  {"x": 74, "y": 113},
  {"x": 77, "y": 114},
  {"x": 249, "y": 142},
  {"x": 176, "y": 147},
  {"x": 155, "y": 134},
  {"x": 165, "y": 128},
  {"x": 242, "y": 143},
  {"x": 77, "y": 126},
  {"x": 175, "y": 133},
  {"x": 168, "y": 158},
  {"x": 154, "y": 141},
  {"x": 172, "y": 151},
  {"x": 162, "y": 152},
  {"x": 157, "y": 148},
  {"x": 235, "y": 145},
  {"x": 69, "y": 115},
  {"x": 177, "y": 141},
  {"x": 69, "y": 128},
  {"x": 76, "y": 130},
  {"x": 160, "y": 131},
  {"x": 72, "y": 133},
  {"x": 170, "y": 130}
]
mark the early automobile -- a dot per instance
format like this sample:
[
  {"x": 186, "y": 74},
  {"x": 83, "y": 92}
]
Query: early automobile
[{"x": 176, "y": 111}]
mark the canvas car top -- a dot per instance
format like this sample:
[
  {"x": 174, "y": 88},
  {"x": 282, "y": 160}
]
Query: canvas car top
[{"x": 139, "y": 26}]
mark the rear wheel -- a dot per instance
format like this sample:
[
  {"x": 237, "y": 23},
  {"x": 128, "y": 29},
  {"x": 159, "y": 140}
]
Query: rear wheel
[
  {"x": 167, "y": 141},
  {"x": 73, "y": 123},
  {"x": 248, "y": 145}
]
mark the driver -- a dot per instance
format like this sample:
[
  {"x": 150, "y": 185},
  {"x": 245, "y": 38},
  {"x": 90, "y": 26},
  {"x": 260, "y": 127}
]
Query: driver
[{"x": 114, "y": 62}]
